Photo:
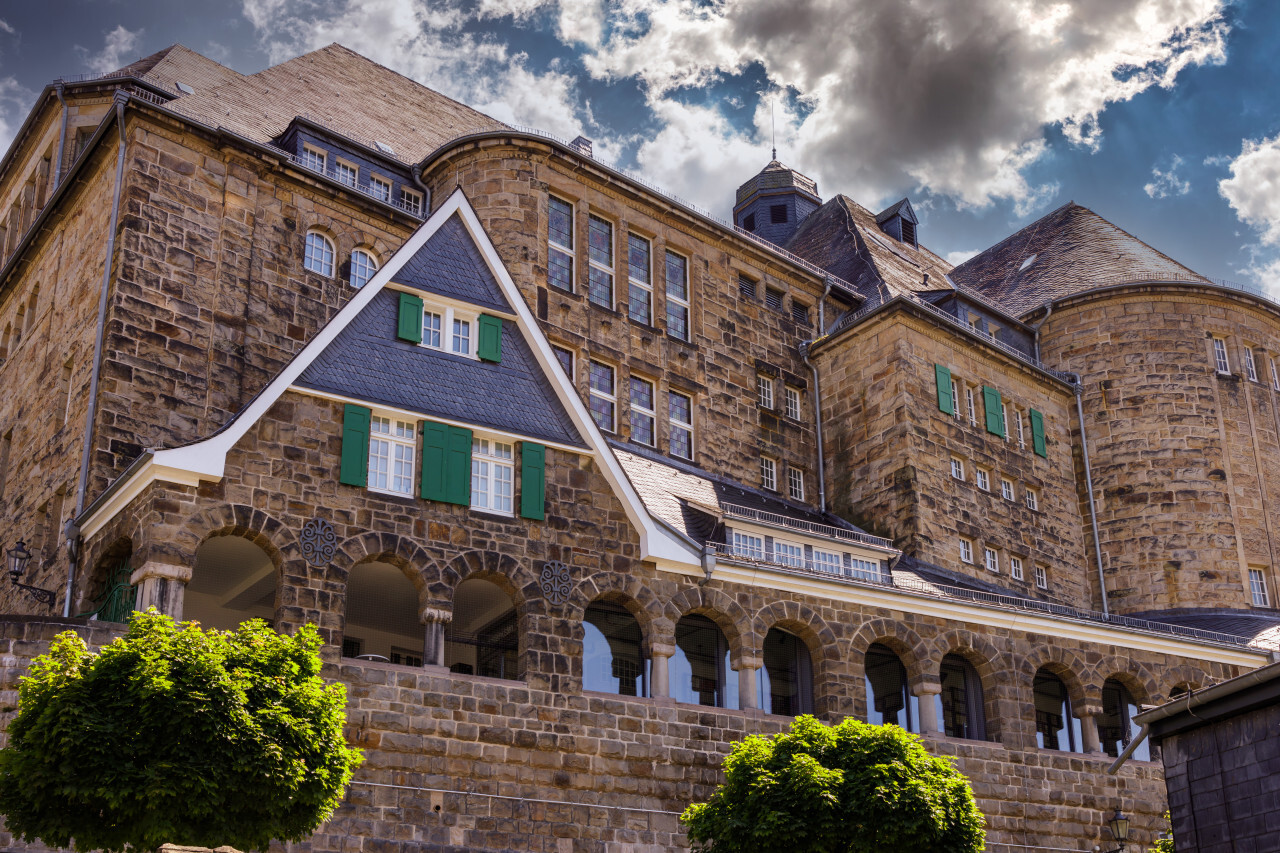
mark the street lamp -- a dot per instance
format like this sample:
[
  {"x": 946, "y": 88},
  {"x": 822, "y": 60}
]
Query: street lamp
[
  {"x": 16, "y": 559},
  {"x": 1119, "y": 826}
]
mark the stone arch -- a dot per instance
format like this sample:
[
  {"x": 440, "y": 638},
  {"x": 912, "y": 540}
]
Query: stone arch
[
  {"x": 722, "y": 609},
  {"x": 1063, "y": 663},
  {"x": 909, "y": 646},
  {"x": 636, "y": 596},
  {"x": 220, "y": 589},
  {"x": 988, "y": 662},
  {"x": 504, "y": 571},
  {"x": 399, "y": 551},
  {"x": 826, "y": 652},
  {"x": 1179, "y": 676},
  {"x": 1136, "y": 676},
  {"x": 272, "y": 536},
  {"x": 113, "y": 562}
]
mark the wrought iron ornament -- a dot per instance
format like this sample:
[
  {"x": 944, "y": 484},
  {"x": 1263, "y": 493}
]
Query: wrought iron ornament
[
  {"x": 555, "y": 581},
  {"x": 319, "y": 542}
]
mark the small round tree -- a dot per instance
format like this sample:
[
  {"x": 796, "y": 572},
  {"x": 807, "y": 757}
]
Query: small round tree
[
  {"x": 174, "y": 734},
  {"x": 850, "y": 788}
]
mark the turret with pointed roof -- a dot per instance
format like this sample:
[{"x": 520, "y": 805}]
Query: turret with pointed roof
[{"x": 774, "y": 202}]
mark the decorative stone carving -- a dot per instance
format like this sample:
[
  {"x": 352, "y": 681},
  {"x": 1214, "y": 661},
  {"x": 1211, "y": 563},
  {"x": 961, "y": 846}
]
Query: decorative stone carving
[
  {"x": 319, "y": 542},
  {"x": 555, "y": 582}
]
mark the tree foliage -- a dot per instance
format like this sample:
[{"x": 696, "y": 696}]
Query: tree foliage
[
  {"x": 174, "y": 734},
  {"x": 851, "y": 788},
  {"x": 1164, "y": 844}
]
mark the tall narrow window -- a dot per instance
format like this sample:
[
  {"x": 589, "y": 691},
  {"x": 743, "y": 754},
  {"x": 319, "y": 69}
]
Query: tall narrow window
[
  {"x": 1275, "y": 375},
  {"x": 966, "y": 551},
  {"x": 1116, "y": 728},
  {"x": 700, "y": 671},
  {"x": 795, "y": 484},
  {"x": 6, "y": 444},
  {"x": 604, "y": 399},
  {"x": 1220, "y": 355},
  {"x": 1021, "y": 441},
  {"x": 983, "y": 479},
  {"x": 955, "y": 400},
  {"x": 1006, "y": 489},
  {"x": 600, "y": 258},
  {"x": 565, "y": 357},
  {"x": 363, "y": 266},
  {"x": 1258, "y": 588},
  {"x": 32, "y": 304},
  {"x": 1042, "y": 577},
  {"x": 432, "y": 329},
  {"x": 678, "y": 296},
  {"x": 992, "y": 559},
  {"x": 560, "y": 258},
  {"x": 786, "y": 679},
  {"x": 963, "y": 714},
  {"x": 680, "y": 411},
  {"x": 492, "y": 475},
  {"x": 1015, "y": 568},
  {"x": 639, "y": 279},
  {"x": 1004, "y": 421},
  {"x": 791, "y": 402},
  {"x": 764, "y": 391},
  {"x": 1056, "y": 727},
  {"x": 969, "y": 404},
  {"x": 1250, "y": 366},
  {"x": 643, "y": 419},
  {"x": 613, "y": 658},
  {"x": 391, "y": 446},
  {"x": 1033, "y": 500},
  {"x": 64, "y": 390},
  {"x": 888, "y": 700},
  {"x": 768, "y": 473},
  {"x": 957, "y": 468},
  {"x": 318, "y": 256},
  {"x": 8, "y": 333}
]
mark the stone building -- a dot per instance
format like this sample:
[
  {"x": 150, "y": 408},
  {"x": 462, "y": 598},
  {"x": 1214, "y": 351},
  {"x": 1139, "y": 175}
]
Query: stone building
[{"x": 581, "y": 484}]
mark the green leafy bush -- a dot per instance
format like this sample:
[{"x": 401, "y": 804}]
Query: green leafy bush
[
  {"x": 174, "y": 734},
  {"x": 851, "y": 788}
]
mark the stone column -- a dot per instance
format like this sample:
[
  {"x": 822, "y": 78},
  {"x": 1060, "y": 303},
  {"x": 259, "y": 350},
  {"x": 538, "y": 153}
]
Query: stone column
[
  {"x": 161, "y": 585},
  {"x": 749, "y": 683},
  {"x": 1090, "y": 742},
  {"x": 659, "y": 682},
  {"x": 435, "y": 622},
  {"x": 927, "y": 692}
]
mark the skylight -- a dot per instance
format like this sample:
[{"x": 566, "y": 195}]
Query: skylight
[
  {"x": 1028, "y": 261},
  {"x": 385, "y": 148},
  {"x": 183, "y": 87}
]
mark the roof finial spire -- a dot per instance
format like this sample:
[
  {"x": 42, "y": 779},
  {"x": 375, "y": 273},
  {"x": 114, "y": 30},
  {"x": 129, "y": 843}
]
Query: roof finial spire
[{"x": 773, "y": 126}]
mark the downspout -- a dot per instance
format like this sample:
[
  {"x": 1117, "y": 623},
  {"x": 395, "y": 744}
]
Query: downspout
[
  {"x": 416, "y": 172},
  {"x": 62, "y": 138},
  {"x": 1088, "y": 483},
  {"x": 91, "y": 414},
  {"x": 817, "y": 426},
  {"x": 1035, "y": 330}
]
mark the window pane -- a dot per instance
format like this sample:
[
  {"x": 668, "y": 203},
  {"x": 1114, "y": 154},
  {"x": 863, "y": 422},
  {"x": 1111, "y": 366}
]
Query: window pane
[
  {"x": 787, "y": 675},
  {"x": 462, "y": 337},
  {"x": 699, "y": 671},
  {"x": 888, "y": 700},
  {"x": 613, "y": 658},
  {"x": 363, "y": 267},
  {"x": 431, "y": 329},
  {"x": 961, "y": 699}
]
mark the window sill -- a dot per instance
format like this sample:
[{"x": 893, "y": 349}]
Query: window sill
[
  {"x": 645, "y": 327},
  {"x": 680, "y": 341},
  {"x": 399, "y": 496},
  {"x": 552, "y": 287},
  {"x": 493, "y": 513},
  {"x": 604, "y": 309}
]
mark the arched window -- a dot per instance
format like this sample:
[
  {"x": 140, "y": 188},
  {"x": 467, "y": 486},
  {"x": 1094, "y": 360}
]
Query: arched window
[
  {"x": 363, "y": 266},
  {"x": 1056, "y": 727},
  {"x": 382, "y": 622},
  {"x": 786, "y": 679},
  {"x": 961, "y": 700},
  {"x": 1116, "y": 727},
  {"x": 233, "y": 580},
  {"x": 699, "y": 671},
  {"x": 888, "y": 700},
  {"x": 613, "y": 659},
  {"x": 319, "y": 254},
  {"x": 483, "y": 638}
]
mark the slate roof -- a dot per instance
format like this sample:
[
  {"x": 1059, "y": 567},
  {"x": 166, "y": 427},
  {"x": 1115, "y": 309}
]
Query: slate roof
[
  {"x": 367, "y": 362},
  {"x": 1262, "y": 627},
  {"x": 844, "y": 238},
  {"x": 178, "y": 64},
  {"x": 902, "y": 207},
  {"x": 450, "y": 264},
  {"x": 1075, "y": 250},
  {"x": 333, "y": 86}
]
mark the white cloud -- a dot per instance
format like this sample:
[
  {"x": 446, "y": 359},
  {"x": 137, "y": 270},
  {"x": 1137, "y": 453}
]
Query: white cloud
[
  {"x": 15, "y": 102},
  {"x": 6, "y": 27},
  {"x": 1165, "y": 183},
  {"x": 958, "y": 257},
  {"x": 1253, "y": 191},
  {"x": 117, "y": 51}
]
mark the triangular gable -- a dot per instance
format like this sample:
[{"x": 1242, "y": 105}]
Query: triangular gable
[
  {"x": 450, "y": 265},
  {"x": 901, "y": 208},
  {"x": 206, "y": 459}
]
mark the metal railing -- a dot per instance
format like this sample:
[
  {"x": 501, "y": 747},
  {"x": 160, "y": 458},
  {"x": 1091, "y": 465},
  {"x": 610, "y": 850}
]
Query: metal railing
[
  {"x": 366, "y": 189},
  {"x": 826, "y": 530},
  {"x": 990, "y": 599}
]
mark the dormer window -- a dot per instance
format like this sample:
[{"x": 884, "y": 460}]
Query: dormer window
[
  {"x": 777, "y": 214},
  {"x": 908, "y": 232},
  {"x": 899, "y": 221},
  {"x": 749, "y": 222}
]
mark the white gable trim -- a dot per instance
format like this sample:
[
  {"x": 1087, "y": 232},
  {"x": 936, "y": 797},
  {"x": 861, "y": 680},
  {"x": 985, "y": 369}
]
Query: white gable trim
[{"x": 207, "y": 459}]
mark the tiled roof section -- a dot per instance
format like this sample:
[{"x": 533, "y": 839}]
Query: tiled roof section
[
  {"x": 450, "y": 264},
  {"x": 367, "y": 362},
  {"x": 910, "y": 572},
  {"x": 844, "y": 238},
  {"x": 1074, "y": 250},
  {"x": 1262, "y": 627},
  {"x": 141, "y": 66},
  {"x": 343, "y": 91},
  {"x": 682, "y": 495},
  {"x": 178, "y": 64}
]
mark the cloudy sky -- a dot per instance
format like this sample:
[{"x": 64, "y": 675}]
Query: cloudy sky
[{"x": 1161, "y": 115}]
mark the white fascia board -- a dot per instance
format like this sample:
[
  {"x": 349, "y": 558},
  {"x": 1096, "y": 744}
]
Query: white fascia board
[
  {"x": 656, "y": 542},
  {"x": 1017, "y": 622},
  {"x": 150, "y": 472}
]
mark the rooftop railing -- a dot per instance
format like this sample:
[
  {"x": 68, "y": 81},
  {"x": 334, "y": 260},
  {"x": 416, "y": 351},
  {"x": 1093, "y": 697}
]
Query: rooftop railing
[
  {"x": 366, "y": 189},
  {"x": 825, "y": 530}
]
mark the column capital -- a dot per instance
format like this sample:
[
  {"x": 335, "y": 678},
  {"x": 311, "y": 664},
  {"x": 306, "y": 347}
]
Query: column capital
[
  {"x": 431, "y": 615},
  {"x": 928, "y": 688},
  {"x": 662, "y": 650},
  {"x": 160, "y": 571},
  {"x": 746, "y": 661}
]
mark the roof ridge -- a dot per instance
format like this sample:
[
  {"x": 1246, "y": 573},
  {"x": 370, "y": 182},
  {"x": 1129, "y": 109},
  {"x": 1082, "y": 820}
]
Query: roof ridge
[{"x": 1023, "y": 229}]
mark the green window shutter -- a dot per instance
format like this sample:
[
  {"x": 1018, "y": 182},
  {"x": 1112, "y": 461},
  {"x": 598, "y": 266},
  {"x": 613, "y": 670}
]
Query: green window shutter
[
  {"x": 431, "y": 475},
  {"x": 490, "y": 345},
  {"x": 1037, "y": 434},
  {"x": 410, "y": 326},
  {"x": 943, "y": 376},
  {"x": 992, "y": 405},
  {"x": 533, "y": 480},
  {"x": 355, "y": 446},
  {"x": 457, "y": 466}
]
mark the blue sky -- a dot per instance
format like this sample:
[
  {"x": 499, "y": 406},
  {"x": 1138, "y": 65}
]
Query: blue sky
[{"x": 1161, "y": 115}]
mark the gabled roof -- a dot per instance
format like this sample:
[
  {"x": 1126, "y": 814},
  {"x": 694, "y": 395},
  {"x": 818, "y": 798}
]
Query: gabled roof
[
  {"x": 1069, "y": 251},
  {"x": 844, "y": 238},
  {"x": 343, "y": 91},
  {"x": 901, "y": 208},
  {"x": 178, "y": 64}
]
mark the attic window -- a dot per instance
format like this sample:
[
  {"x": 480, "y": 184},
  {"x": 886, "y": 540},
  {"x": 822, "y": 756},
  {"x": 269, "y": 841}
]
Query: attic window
[
  {"x": 183, "y": 87},
  {"x": 385, "y": 148},
  {"x": 908, "y": 231},
  {"x": 777, "y": 213},
  {"x": 1031, "y": 259},
  {"x": 773, "y": 298},
  {"x": 746, "y": 287},
  {"x": 749, "y": 222}
]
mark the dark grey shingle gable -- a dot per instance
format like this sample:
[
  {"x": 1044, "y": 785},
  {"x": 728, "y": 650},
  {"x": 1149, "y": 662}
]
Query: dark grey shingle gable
[{"x": 449, "y": 264}]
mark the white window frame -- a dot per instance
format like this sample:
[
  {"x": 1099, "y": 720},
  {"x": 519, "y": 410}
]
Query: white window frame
[
  {"x": 1275, "y": 375},
  {"x": 573, "y": 362},
  {"x": 955, "y": 400},
  {"x": 1022, "y": 443},
  {"x": 966, "y": 550},
  {"x": 346, "y": 172},
  {"x": 1006, "y": 489},
  {"x": 319, "y": 261},
  {"x": 554, "y": 246},
  {"x": 493, "y": 475},
  {"x": 644, "y": 287},
  {"x": 791, "y": 402},
  {"x": 637, "y": 412},
  {"x": 983, "y": 479},
  {"x": 1258, "y": 588},
  {"x": 364, "y": 266},
  {"x": 1032, "y": 500},
  {"x": 971, "y": 406},
  {"x": 314, "y": 158},
  {"x": 747, "y": 545},
  {"x": 1042, "y": 577},
  {"x": 675, "y": 302},
  {"x": 592, "y": 263},
  {"x": 411, "y": 201},
  {"x": 957, "y": 469},
  {"x": 991, "y": 559},
  {"x": 795, "y": 484},
  {"x": 1221, "y": 361},
  {"x": 450, "y": 318},
  {"x": 397, "y": 447},
  {"x": 1250, "y": 367},
  {"x": 609, "y": 398},
  {"x": 678, "y": 426},
  {"x": 831, "y": 562},
  {"x": 764, "y": 391},
  {"x": 794, "y": 553},
  {"x": 1004, "y": 421},
  {"x": 1015, "y": 568},
  {"x": 768, "y": 474},
  {"x": 865, "y": 570},
  {"x": 380, "y": 188}
]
